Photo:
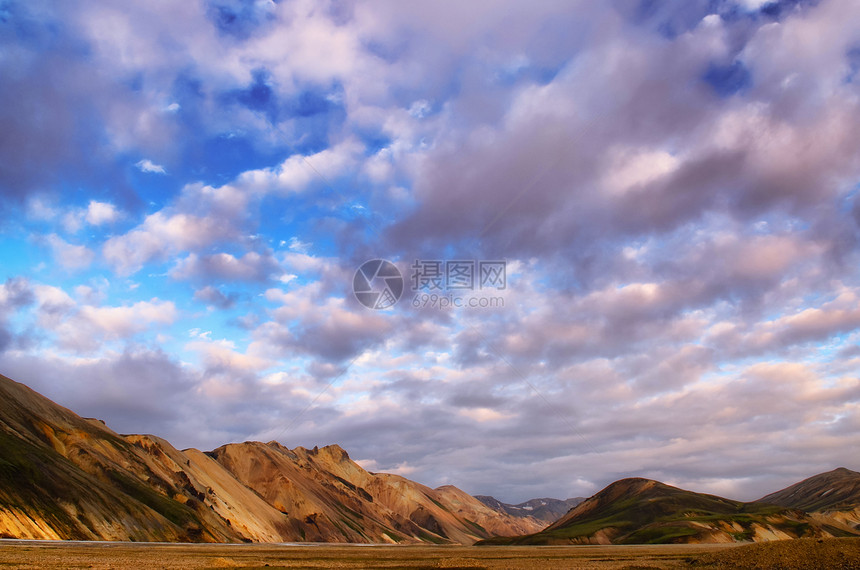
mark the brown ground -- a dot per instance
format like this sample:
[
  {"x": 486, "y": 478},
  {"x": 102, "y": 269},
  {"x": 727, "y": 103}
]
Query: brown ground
[
  {"x": 833, "y": 553},
  {"x": 800, "y": 554}
]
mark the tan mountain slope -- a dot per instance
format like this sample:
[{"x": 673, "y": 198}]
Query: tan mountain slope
[
  {"x": 328, "y": 497},
  {"x": 63, "y": 476}
]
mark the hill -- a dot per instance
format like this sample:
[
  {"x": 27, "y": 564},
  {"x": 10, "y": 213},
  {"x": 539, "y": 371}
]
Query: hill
[
  {"x": 636, "y": 511},
  {"x": 830, "y": 496},
  {"x": 832, "y": 491},
  {"x": 66, "y": 477}
]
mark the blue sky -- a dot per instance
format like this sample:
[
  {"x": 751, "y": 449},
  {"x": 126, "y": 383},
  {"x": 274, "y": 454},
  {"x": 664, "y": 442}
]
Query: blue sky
[{"x": 187, "y": 190}]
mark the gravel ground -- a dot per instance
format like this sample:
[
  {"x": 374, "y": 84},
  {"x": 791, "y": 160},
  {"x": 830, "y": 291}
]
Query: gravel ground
[
  {"x": 807, "y": 554},
  {"x": 800, "y": 554},
  {"x": 33, "y": 554}
]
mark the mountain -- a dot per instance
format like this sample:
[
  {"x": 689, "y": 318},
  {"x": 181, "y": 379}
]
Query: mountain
[
  {"x": 327, "y": 497},
  {"x": 66, "y": 477},
  {"x": 545, "y": 510},
  {"x": 636, "y": 511},
  {"x": 835, "y": 490},
  {"x": 827, "y": 496}
]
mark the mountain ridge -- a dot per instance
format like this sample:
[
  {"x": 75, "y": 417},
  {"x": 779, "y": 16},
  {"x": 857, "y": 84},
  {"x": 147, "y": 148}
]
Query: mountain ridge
[
  {"x": 63, "y": 476},
  {"x": 544, "y": 509},
  {"x": 66, "y": 477}
]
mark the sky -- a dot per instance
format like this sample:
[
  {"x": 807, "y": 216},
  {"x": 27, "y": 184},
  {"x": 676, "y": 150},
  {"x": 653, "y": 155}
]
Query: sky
[{"x": 187, "y": 190}]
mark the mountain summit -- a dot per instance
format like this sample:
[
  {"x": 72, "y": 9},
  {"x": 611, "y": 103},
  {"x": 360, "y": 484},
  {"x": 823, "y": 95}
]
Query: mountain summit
[{"x": 66, "y": 477}]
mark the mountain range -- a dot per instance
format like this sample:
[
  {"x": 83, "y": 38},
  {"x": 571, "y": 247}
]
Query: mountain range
[
  {"x": 637, "y": 511},
  {"x": 67, "y": 477},
  {"x": 545, "y": 510}
]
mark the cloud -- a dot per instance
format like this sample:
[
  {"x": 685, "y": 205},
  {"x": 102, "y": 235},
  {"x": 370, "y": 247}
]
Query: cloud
[
  {"x": 673, "y": 188},
  {"x": 298, "y": 171},
  {"x": 127, "y": 389},
  {"x": 100, "y": 213},
  {"x": 85, "y": 329},
  {"x": 328, "y": 329},
  {"x": 159, "y": 236},
  {"x": 225, "y": 267},
  {"x": 68, "y": 255},
  {"x": 68, "y": 114},
  {"x": 212, "y": 296},
  {"x": 295, "y": 244},
  {"x": 15, "y": 293},
  {"x": 577, "y": 165},
  {"x": 148, "y": 166}
]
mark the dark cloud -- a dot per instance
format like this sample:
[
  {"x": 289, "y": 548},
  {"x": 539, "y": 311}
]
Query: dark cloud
[
  {"x": 5, "y": 339},
  {"x": 130, "y": 390},
  {"x": 215, "y": 297},
  {"x": 239, "y": 18},
  {"x": 57, "y": 109},
  {"x": 17, "y": 292}
]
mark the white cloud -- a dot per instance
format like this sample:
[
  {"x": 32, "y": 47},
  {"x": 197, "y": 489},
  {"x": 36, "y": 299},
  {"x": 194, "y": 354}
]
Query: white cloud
[
  {"x": 38, "y": 208},
  {"x": 148, "y": 166},
  {"x": 95, "y": 214},
  {"x": 482, "y": 415},
  {"x": 68, "y": 255},
  {"x": 298, "y": 171},
  {"x": 88, "y": 327},
  {"x": 297, "y": 245},
  {"x": 160, "y": 235},
  {"x": 99, "y": 213},
  {"x": 252, "y": 266}
]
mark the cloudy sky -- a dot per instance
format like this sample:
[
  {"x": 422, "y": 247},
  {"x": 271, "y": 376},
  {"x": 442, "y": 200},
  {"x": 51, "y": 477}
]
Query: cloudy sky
[{"x": 187, "y": 190}]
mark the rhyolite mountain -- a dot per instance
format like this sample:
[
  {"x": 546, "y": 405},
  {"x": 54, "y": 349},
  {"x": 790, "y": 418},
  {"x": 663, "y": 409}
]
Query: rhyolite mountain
[
  {"x": 66, "y": 477},
  {"x": 832, "y": 491},
  {"x": 637, "y": 511},
  {"x": 545, "y": 510},
  {"x": 834, "y": 495}
]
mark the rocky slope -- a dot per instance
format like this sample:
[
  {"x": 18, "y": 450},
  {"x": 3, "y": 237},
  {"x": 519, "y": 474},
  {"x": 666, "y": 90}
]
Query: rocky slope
[
  {"x": 325, "y": 496},
  {"x": 66, "y": 477},
  {"x": 635, "y": 511}
]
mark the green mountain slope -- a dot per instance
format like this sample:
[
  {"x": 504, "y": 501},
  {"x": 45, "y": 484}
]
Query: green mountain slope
[
  {"x": 835, "y": 490},
  {"x": 642, "y": 511}
]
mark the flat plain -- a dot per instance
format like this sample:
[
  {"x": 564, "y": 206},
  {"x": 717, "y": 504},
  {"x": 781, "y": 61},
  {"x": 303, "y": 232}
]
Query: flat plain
[
  {"x": 833, "y": 554},
  {"x": 98, "y": 555}
]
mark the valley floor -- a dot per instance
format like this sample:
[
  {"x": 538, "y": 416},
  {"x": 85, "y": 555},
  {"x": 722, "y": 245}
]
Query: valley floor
[{"x": 833, "y": 553}]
